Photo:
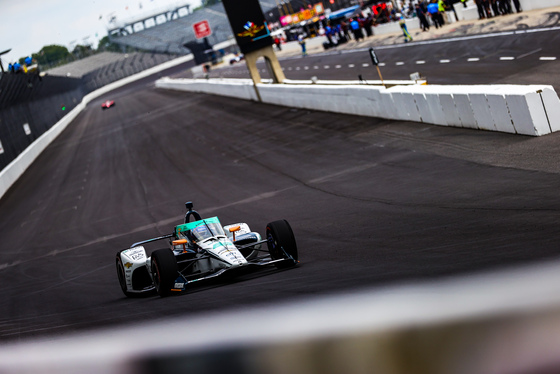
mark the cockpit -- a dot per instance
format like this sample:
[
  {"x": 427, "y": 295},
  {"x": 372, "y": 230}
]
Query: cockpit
[{"x": 198, "y": 231}]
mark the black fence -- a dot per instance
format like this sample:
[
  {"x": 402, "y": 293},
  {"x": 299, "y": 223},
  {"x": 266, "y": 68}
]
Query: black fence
[{"x": 30, "y": 105}]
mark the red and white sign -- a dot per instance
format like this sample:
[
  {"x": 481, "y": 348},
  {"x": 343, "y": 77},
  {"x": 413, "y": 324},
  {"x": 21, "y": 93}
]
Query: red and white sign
[{"x": 202, "y": 29}]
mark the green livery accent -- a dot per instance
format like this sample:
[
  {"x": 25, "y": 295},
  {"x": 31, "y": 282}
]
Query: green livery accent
[
  {"x": 191, "y": 225},
  {"x": 219, "y": 244}
]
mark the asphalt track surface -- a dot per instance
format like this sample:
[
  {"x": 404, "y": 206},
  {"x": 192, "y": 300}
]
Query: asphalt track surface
[{"x": 372, "y": 202}]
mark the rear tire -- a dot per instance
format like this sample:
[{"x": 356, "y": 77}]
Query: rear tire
[
  {"x": 282, "y": 243},
  {"x": 121, "y": 275},
  {"x": 164, "y": 271}
]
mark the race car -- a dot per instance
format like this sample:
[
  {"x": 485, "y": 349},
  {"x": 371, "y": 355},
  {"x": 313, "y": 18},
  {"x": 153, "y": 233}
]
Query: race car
[
  {"x": 107, "y": 104},
  {"x": 201, "y": 249}
]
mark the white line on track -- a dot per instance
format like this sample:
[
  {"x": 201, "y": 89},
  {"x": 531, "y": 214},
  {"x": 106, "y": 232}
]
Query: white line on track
[
  {"x": 440, "y": 41},
  {"x": 315, "y": 67},
  {"x": 306, "y": 68},
  {"x": 337, "y": 66},
  {"x": 444, "y": 61},
  {"x": 420, "y": 62},
  {"x": 399, "y": 63},
  {"x": 507, "y": 58},
  {"x": 351, "y": 65},
  {"x": 365, "y": 65},
  {"x": 473, "y": 59},
  {"x": 382, "y": 64},
  {"x": 326, "y": 67},
  {"x": 547, "y": 58}
]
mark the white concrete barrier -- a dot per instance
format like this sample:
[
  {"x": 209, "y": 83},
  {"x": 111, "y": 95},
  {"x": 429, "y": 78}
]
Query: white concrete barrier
[
  {"x": 538, "y": 4},
  {"x": 528, "y": 110}
]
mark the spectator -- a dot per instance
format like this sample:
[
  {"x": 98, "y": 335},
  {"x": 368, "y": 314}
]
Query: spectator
[
  {"x": 441, "y": 11},
  {"x": 356, "y": 29},
  {"x": 17, "y": 68},
  {"x": 495, "y": 7},
  {"x": 368, "y": 23},
  {"x": 480, "y": 8},
  {"x": 344, "y": 28},
  {"x": 329, "y": 34},
  {"x": 28, "y": 61},
  {"x": 278, "y": 43},
  {"x": 301, "y": 41},
  {"x": 433, "y": 9},
  {"x": 517, "y": 6},
  {"x": 421, "y": 13},
  {"x": 505, "y": 6},
  {"x": 402, "y": 24},
  {"x": 10, "y": 68},
  {"x": 486, "y": 6}
]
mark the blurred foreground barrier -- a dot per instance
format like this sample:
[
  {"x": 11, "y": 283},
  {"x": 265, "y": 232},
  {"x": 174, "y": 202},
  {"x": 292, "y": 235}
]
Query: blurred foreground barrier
[
  {"x": 527, "y": 110},
  {"x": 504, "y": 322}
]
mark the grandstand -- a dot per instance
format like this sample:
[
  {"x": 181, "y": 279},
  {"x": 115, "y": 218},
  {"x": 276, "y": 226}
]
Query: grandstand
[
  {"x": 78, "y": 68},
  {"x": 172, "y": 35},
  {"x": 106, "y": 67}
]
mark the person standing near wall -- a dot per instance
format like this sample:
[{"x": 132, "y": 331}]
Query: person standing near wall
[
  {"x": 402, "y": 24},
  {"x": 434, "y": 13},
  {"x": 421, "y": 14},
  {"x": 480, "y": 8},
  {"x": 441, "y": 12},
  {"x": 301, "y": 41}
]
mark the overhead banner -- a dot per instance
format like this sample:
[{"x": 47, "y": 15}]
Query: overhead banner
[{"x": 248, "y": 24}]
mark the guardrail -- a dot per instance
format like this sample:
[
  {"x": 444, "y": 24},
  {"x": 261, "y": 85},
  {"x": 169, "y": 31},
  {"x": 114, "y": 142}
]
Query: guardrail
[{"x": 526, "y": 110}]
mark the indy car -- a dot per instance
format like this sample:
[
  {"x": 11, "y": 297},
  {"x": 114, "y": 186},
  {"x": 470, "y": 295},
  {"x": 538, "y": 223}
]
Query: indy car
[
  {"x": 107, "y": 104},
  {"x": 201, "y": 249}
]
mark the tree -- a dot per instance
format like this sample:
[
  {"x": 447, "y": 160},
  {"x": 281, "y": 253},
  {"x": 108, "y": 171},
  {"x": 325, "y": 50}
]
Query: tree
[
  {"x": 106, "y": 45},
  {"x": 51, "y": 55},
  {"x": 81, "y": 51}
]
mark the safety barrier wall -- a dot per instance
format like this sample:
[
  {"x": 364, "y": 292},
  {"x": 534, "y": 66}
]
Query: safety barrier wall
[
  {"x": 17, "y": 166},
  {"x": 505, "y": 322},
  {"x": 527, "y": 110},
  {"x": 238, "y": 88},
  {"x": 38, "y": 103}
]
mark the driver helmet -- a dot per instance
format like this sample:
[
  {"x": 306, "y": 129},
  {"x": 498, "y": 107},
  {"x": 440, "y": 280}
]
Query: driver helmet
[{"x": 201, "y": 232}]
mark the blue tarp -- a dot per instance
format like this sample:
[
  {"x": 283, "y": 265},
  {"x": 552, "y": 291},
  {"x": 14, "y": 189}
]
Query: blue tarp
[{"x": 343, "y": 12}]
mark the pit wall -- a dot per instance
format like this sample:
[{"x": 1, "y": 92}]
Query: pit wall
[{"x": 526, "y": 110}]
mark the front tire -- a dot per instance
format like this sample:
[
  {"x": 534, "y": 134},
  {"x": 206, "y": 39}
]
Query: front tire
[
  {"x": 121, "y": 275},
  {"x": 164, "y": 271},
  {"x": 282, "y": 243}
]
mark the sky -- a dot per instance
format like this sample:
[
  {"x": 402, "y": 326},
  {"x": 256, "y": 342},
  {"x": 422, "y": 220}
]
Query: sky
[{"x": 28, "y": 25}]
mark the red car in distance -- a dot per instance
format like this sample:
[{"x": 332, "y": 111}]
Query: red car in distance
[{"x": 107, "y": 104}]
